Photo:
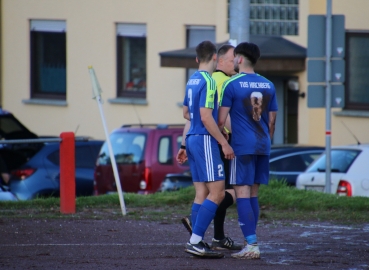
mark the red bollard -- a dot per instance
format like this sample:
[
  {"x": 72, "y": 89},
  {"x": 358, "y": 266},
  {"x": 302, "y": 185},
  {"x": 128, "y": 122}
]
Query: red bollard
[{"x": 67, "y": 174}]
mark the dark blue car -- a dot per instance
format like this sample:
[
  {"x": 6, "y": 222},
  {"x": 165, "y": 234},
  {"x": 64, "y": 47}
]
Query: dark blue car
[
  {"x": 40, "y": 175},
  {"x": 286, "y": 162}
]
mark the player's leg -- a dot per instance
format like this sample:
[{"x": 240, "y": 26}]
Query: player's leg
[
  {"x": 207, "y": 210},
  {"x": 245, "y": 213},
  {"x": 254, "y": 201},
  {"x": 201, "y": 192},
  {"x": 220, "y": 216},
  {"x": 261, "y": 169},
  {"x": 227, "y": 202},
  {"x": 220, "y": 240},
  {"x": 205, "y": 215},
  {"x": 247, "y": 224},
  {"x": 200, "y": 189},
  {"x": 209, "y": 170},
  {"x": 243, "y": 173},
  {"x": 261, "y": 177}
]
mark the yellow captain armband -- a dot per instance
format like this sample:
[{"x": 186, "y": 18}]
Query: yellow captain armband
[{"x": 226, "y": 130}]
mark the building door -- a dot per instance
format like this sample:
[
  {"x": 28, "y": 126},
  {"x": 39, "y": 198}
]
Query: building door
[
  {"x": 292, "y": 111},
  {"x": 279, "y": 132},
  {"x": 286, "y": 129}
]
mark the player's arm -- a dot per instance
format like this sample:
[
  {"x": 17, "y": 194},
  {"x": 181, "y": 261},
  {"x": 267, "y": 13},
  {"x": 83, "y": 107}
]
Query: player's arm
[
  {"x": 209, "y": 123},
  {"x": 186, "y": 113},
  {"x": 222, "y": 117},
  {"x": 227, "y": 125},
  {"x": 224, "y": 120},
  {"x": 185, "y": 130},
  {"x": 272, "y": 119},
  {"x": 182, "y": 154},
  {"x": 273, "y": 108}
]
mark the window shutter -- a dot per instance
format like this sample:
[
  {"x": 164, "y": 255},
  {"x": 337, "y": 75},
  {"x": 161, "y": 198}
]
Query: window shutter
[
  {"x": 197, "y": 34},
  {"x": 48, "y": 26},
  {"x": 131, "y": 30}
]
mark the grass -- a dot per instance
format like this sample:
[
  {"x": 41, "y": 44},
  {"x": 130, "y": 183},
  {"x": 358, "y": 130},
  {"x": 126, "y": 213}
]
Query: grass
[{"x": 277, "y": 202}]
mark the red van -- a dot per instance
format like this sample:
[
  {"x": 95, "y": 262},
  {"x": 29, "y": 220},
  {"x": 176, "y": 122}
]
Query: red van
[{"x": 144, "y": 154}]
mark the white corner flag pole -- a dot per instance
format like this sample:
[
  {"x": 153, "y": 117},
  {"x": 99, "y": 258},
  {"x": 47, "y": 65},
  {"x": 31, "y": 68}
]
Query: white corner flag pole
[{"x": 96, "y": 94}]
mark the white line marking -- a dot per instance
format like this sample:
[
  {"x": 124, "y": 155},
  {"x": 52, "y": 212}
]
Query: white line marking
[
  {"x": 324, "y": 226},
  {"x": 126, "y": 244}
]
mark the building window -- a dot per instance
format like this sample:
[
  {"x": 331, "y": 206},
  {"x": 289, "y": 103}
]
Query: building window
[
  {"x": 48, "y": 59},
  {"x": 131, "y": 62},
  {"x": 273, "y": 17},
  {"x": 195, "y": 35},
  {"x": 357, "y": 70}
]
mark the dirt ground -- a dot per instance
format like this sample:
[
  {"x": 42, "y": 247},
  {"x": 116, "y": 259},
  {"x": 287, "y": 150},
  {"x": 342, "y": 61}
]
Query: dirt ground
[{"x": 124, "y": 243}]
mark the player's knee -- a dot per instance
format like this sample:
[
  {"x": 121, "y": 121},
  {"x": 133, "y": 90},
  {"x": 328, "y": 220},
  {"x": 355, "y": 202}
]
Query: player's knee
[
  {"x": 217, "y": 197},
  {"x": 221, "y": 195}
]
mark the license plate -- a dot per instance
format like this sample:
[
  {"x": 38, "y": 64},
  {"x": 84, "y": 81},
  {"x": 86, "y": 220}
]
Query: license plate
[{"x": 315, "y": 188}]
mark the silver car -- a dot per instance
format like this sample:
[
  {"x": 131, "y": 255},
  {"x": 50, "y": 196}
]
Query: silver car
[{"x": 349, "y": 172}]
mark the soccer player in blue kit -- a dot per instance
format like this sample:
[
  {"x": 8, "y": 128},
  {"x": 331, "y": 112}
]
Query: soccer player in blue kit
[
  {"x": 250, "y": 100},
  {"x": 200, "y": 106}
]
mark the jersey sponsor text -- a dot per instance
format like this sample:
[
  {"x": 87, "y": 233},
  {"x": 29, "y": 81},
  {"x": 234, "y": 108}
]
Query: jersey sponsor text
[
  {"x": 193, "y": 81},
  {"x": 256, "y": 85}
]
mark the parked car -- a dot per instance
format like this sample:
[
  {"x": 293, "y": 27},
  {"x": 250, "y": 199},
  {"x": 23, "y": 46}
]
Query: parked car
[
  {"x": 175, "y": 181},
  {"x": 349, "y": 172},
  {"x": 40, "y": 176},
  {"x": 144, "y": 154},
  {"x": 6, "y": 195},
  {"x": 11, "y": 128},
  {"x": 286, "y": 163}
]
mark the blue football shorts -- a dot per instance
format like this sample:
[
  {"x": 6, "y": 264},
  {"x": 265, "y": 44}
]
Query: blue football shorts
[
  {"x": 204, "y": 158},
  {"x": 249, "y": 170}
]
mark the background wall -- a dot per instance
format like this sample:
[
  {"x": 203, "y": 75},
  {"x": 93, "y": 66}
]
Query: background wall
[{"x": 91, "y": 40}]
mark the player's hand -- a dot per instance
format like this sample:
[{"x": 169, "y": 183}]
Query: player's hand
[
  {"x": 225, "y": 134},
  {"x": 228, "y": 151},
  {"x": 181, "y": 156}
]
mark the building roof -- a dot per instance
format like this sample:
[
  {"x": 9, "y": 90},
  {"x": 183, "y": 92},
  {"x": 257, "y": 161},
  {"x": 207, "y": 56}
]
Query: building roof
[
  {"x": 278, "y": 47},
  {"x": 272, "y": 48}
]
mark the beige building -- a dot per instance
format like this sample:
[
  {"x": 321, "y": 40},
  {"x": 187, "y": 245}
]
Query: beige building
[
  {"x": 354, "y": 117},
  {"x": 47, "y": 46}
]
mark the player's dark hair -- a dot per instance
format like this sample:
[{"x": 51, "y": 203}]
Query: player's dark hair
[
  {"x": 249, "y": 50},
  {"x": 224, "y": 49},
  {"x": 205, "y": 51}
]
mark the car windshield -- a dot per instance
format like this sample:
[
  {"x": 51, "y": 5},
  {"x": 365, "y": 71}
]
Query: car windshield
[
  {"x": 11, "y": 128},
  {"x": 297, "y": 162},
  {"x": 127, "y": 148},
  {"x": 341, "y": 160}
]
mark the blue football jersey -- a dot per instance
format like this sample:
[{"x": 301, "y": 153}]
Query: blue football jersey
[
  {"x": 250, "y": 97},
  {"x": 201, "y": 92}
]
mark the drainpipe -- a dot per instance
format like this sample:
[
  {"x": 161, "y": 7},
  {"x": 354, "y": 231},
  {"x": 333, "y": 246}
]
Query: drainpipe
[{"x": 239, "y": 21}]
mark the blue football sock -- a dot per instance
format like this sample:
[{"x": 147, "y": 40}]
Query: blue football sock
[
  {"x": 205, "y": 215},
  {"x": 246, "y": 219},
  {"x": 251, "y": 239},
  {"x": 194, "y": 211},
  {"x": 255, "y": 207}
]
